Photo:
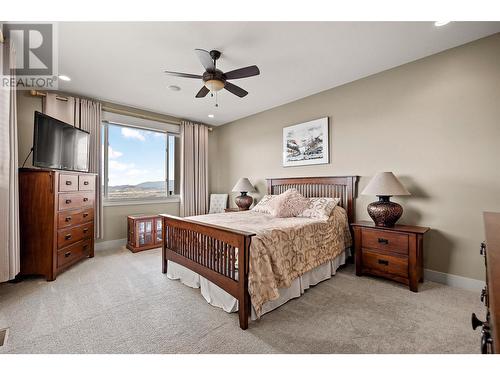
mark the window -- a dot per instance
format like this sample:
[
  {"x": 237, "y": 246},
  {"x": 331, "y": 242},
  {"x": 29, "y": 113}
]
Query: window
[{"x": 138, "y": 163}]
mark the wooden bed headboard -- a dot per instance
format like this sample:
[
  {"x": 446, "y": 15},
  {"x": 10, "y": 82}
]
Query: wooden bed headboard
[{"x": 343, "y": 187}]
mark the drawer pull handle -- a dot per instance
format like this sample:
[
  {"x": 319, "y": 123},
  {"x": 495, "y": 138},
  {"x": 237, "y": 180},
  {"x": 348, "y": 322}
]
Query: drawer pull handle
[
  {"x": 486, "y": 341},
  {"x": 85, "y": 199},
  {"x": 85, "y": 247},
  {"x": 68, "y": 219},
  {"x": 475, "y": 322},
  {"x": 85, "y": 230},
  {"x": 67, "y": 237},
  {"x": 67, "y": 254},
  {"x": 85, "y": 182},
  {"x": 482, "y": 250},
  {"x": 85, "y": 214},
  {"x": 68, "y": 182},
  {"x": 484, "y": 295},
  {"x": 384, "y": 262},
  {"x": 383, "y": 240},
  {"x": 68, "y": 201}
]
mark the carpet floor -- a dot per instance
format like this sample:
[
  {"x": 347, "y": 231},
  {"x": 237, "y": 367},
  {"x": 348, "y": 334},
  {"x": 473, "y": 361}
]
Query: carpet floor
[{"x": 119, "y": 302}]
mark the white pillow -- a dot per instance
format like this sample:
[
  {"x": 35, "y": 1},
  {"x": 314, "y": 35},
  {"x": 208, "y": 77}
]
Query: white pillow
[
  {"x": 288, "y": 204},
  {"x": 319, "y": 208},
  {"x": 263, "y": 205}
]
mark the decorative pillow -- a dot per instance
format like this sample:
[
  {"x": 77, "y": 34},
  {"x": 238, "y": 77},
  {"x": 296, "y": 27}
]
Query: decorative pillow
[
  {"x": 288, "y": 204},
  {"x": 263, "y": 205},
  {"x": 319, "y": 208}
]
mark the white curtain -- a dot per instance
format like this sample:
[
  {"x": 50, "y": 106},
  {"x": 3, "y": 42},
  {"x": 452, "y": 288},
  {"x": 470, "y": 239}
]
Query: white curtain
[
  {"x": 84, "y": 114},
  {"x": 61, "y": 108},
  {"x": 9, "y": 191},
  {"x": 88, "y": 117},
  {"x": 194, "y": 169}
]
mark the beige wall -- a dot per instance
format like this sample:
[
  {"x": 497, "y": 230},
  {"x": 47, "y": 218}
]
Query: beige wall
[
  {"x": 435, "y": 123},
  {"x": 115, "y": 217}
]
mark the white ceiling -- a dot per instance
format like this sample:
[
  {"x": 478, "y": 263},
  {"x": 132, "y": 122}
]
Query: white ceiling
[{"x": 123, "y": 62}]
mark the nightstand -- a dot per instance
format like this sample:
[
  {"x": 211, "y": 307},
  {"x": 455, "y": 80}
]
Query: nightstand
[
  {"x": 394, "y": 253},
  {"x": 233, "y": 210}
]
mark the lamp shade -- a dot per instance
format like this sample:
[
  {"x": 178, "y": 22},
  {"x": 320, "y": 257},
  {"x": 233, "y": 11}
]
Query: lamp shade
[
  {"x": 385, "y": 184},
  {"x": 243, "y": 185}
]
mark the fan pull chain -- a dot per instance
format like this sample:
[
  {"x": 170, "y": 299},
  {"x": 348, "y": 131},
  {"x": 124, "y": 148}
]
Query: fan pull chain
[{"x": 216, "y": 102}]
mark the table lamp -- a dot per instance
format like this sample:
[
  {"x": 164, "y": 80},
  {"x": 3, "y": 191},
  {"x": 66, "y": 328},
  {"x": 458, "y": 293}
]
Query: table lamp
[
  {"x": 243, "y": 201},
  {"x": 384, "y": 212}
]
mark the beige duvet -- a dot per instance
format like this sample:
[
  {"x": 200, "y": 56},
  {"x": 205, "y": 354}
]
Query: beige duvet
[{"x": 284, "y": 248}]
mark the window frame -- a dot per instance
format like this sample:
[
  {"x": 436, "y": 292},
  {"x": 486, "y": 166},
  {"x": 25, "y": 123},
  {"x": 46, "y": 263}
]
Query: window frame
[{"x": 105, "y": 165}]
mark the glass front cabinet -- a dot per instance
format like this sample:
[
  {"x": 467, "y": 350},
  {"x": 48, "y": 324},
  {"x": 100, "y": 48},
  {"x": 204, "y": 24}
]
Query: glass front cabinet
[{"x": 144, "y": 232}]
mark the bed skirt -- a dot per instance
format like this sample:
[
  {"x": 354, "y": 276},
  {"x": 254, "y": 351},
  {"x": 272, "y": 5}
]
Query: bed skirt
[{"x": 220, "y": 298}]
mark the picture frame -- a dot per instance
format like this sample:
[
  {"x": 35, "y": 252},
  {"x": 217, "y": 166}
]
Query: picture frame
[{"x": 306, "y": 143}]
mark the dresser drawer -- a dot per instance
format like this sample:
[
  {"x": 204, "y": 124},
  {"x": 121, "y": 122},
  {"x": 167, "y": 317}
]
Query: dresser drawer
[
  {"x": 86, "y": 182},
  {"x": 73, "y": 253},
  {"x": 385, "y": 240},
  {"x": 68, "y": 182},
  {"x": 76, "y": 217},
  {"x": 386, "y": 264},
  {"x": 75, "y": 200},
  {"x": 71, "y": 235}
]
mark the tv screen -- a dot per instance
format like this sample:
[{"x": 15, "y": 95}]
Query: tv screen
[{"x": 59, "y": 145}]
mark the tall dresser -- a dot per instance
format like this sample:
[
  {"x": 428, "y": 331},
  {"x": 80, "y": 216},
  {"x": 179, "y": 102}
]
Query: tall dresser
[
  {"x": 56, "y": 210},
  {"x": 490, "y": 328}
]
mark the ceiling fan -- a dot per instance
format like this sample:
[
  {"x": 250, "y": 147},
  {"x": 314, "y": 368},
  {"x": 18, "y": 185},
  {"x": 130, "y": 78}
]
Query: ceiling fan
[{"x": 214, "y": 79}]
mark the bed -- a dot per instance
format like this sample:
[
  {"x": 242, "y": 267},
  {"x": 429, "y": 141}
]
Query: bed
[{"x": 218, "y": 248}]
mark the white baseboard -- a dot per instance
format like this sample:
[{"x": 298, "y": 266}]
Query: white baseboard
[
  {"x": 112, "y": 244},
  {"x": 431, "y": 275},
  {"x": 454, "y": 280}
]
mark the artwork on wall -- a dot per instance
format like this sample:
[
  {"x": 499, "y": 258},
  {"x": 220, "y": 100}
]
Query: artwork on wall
[{"x": 306, "y": 143}]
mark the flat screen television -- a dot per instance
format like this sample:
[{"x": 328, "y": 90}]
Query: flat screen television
[{"x": 58, "y": 145}]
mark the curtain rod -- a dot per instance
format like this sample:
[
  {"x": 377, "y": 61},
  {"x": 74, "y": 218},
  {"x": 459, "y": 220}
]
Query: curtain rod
[{"x": 115, "y": 110}]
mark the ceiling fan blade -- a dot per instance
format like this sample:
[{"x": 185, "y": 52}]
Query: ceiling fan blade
[
  {"x": 183, "y": 75},
  {"x": 249, "y": 71},
  {"x": 203, "y": 92},
  {"x": 236, "y": 90},
  {"x": 205, "y": 59}
]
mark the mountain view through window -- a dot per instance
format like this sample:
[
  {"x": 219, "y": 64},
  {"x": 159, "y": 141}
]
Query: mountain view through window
[{"x": 136, "y": 163}]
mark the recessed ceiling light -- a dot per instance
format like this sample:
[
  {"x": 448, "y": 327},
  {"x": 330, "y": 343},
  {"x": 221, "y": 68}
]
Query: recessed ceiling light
[
  {"x": 441, "y": 23},
  {"x": 174, "y": 88},
  {"x": 64, "y": 78},
  {"x": 211, "y": 116}
]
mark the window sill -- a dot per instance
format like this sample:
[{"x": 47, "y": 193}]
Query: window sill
[{"x": 137, "y": 202}]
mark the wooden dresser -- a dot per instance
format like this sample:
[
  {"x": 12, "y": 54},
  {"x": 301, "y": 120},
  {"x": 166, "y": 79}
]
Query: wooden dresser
[
  {"x": 394, "y": 253},
  {"x": 490, "y": 328},
  {"x": 56, "y": 210}
]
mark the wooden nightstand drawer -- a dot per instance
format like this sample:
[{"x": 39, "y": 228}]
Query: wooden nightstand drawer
[
  {"x": 385, "y": 240},
  {"x": 387, "y": 264}
]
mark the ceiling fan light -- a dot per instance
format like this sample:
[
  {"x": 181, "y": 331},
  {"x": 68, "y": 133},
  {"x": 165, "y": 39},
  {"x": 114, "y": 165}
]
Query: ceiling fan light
[
  {"x": 441, "y": 23},
  {"x": 214, "y": 85}
]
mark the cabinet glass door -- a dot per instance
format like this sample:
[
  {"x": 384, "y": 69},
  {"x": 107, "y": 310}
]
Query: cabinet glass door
[
  {"x": 148, "y": 235},
  {"x": 158, "y": 231},
  {"x": 141, "y": 228}
]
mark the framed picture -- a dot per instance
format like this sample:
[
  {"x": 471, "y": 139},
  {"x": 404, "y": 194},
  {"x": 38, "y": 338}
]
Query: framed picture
[{"x": 306, "y": 143}]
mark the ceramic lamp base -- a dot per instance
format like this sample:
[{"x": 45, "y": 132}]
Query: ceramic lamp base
[
  {"x": 243, "y": 201},
  {"x": 384, "y": 212}
]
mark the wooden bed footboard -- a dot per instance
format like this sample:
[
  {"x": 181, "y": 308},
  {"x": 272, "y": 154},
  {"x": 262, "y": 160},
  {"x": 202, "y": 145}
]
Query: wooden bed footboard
[{"x": 218, "y": 254}]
